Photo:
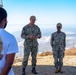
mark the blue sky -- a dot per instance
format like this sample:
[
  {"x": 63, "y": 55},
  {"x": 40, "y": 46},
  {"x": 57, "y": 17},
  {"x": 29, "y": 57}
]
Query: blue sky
[{"x": 46, "y": 11}]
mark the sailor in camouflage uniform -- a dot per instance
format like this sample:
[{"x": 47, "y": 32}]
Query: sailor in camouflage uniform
[
  {"x": 58, "y": 43},
  {"x": 30, "y": 33}
]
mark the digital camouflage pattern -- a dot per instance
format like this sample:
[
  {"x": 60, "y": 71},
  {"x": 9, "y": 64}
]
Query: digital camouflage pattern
[
  {"x": 30, "y": 45},
  {"x": 28, "y": 30},
  {"x": 58, "y": 43}
]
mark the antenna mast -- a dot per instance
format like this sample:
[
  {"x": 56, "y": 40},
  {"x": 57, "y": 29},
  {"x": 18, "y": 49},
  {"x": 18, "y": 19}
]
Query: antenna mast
[{"x": 1, "y": 3}]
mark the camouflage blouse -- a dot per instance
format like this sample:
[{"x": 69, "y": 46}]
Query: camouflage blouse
[{"x": 58, "y": 40}]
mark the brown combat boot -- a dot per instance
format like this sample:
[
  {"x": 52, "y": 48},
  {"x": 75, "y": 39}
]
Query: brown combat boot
[
  {"x": 60, "y": 70},
  {"x": 56, "y": 71}
]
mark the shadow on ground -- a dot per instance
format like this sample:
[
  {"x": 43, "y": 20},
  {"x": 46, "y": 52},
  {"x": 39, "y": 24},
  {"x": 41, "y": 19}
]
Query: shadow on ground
[{"x": 46, "y": 70}]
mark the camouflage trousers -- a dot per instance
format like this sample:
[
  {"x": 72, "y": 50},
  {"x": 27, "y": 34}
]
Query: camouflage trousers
[
  {"x": 27, "y": 51},
  {"x": 58, "y": 58}
]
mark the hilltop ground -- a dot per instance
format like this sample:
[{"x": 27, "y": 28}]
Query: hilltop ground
[{"x": 45, "y": 64}]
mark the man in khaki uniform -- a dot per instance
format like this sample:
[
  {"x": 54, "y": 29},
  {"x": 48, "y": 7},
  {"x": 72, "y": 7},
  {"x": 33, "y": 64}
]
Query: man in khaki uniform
[
  {"x": 30, "y": 33},
  {"x": 58, "y": 43}
]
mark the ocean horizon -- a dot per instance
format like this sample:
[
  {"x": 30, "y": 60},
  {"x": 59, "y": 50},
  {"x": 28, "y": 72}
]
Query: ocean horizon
[{"x": 44, "y": 42}]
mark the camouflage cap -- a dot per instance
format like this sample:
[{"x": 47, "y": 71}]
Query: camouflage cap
[{"x": 33, "y": 17}]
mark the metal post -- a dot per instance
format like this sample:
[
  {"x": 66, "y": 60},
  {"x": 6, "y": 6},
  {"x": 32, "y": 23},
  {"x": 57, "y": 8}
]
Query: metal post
[{"x": 1, "y": 3}]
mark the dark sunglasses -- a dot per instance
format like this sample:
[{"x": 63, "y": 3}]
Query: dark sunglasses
[{"x": 58, "y": 27}]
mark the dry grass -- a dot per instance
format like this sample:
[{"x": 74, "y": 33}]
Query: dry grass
[
  {"x": 71, "y": 51},
  {"x": 46, "y": 53}
]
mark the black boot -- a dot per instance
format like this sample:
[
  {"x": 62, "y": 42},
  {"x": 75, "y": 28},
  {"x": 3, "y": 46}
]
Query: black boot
[
  {"x": 23, "y": 71},
  {"x": 34, "y": 71}
]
